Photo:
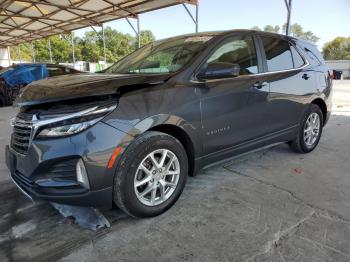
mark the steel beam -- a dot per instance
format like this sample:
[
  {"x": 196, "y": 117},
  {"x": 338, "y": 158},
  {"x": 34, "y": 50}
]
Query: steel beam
[
  {"x": 104, "y": 46},
  {"x": 194, "y": 19},
  {"x": 19, "y": 53},
  {"x": 289, "y": 13},
  {"x": 49, "y": 45},
  {"x": 136, "y": 30},
  {"x": 33, "y": 52},
  {"x": 73, "y": 51},
  {"x": 9, "y": 55}
]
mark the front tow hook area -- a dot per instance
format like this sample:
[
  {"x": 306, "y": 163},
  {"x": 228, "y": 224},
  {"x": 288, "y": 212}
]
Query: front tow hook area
[{"x": 86, "y": 217}]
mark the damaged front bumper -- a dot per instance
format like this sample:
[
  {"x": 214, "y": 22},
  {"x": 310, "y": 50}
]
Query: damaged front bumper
[{"x": 48, "y": 170}]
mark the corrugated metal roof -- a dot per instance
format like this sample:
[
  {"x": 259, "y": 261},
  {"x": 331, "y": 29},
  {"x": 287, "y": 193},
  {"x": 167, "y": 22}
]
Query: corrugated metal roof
[{"x": 27, "y": 20}]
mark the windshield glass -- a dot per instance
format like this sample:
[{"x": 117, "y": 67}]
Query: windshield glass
[{"x": 160, "y": 57}]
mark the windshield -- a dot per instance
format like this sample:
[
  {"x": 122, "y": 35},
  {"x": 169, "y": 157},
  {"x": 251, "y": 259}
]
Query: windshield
[{"x": 160, "y": 57}]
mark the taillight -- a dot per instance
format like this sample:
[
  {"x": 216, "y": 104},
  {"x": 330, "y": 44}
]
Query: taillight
[{"x": 330, "y": 74}]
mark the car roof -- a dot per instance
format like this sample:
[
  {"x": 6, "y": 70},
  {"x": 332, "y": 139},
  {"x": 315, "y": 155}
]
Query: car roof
[{"x": 227, "y": 32}]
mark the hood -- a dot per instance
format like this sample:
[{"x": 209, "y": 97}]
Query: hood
[{"x": 74, "y": 86}]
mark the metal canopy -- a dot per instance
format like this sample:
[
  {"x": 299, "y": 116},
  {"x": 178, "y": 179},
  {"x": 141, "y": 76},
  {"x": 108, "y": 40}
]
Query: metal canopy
[{"x": 28, "y": 20}]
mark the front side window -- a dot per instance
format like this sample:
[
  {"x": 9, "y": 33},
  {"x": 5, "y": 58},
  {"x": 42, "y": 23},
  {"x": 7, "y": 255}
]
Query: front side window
[
  {"x": 160, "y": 57},
  {"x": 278, "y": 54},
  {"x": 238, "y": 51}
]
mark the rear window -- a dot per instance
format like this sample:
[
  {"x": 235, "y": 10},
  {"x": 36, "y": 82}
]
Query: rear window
[
  {"x": 278, "y": 54},
  {"x": 315, "y": 57}
]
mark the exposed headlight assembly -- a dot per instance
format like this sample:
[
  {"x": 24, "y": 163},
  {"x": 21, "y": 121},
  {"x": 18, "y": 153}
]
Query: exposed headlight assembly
[{"x": 71, "y": 124}]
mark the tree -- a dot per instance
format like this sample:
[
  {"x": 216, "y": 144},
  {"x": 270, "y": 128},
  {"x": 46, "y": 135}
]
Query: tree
[
  {"x": 296, "y": 30},
  {"x": 337, "y": 49},
  {"x": 146, "y": 37},
  {"x": 272, "y": 29},
  {"x": 87, "y": 48},
  {"x": 256, "y": 28}
]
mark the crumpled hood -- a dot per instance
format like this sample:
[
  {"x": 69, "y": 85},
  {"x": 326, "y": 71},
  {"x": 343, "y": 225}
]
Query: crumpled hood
[{"x": 81, "y": 85}]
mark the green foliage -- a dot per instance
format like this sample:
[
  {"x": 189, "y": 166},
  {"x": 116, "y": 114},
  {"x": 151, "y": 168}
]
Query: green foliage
[
  {"x": 296, "y": 30},
  {"x": 87, "y": 48},
  {"x": 337, "y": 49},
  {"x": 256, "y": 28},
  {"x": 272, "y": 29}
]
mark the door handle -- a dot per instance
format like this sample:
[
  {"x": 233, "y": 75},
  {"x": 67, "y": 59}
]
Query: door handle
[
  {"x": 259, "y": 85},
  {"x": 306, "y": 76}
]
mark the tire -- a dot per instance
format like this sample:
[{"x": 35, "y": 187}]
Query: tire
[
  {"x": 129, "y": 173},
  {"x": 301, "y": 144},
  {"x": 2, "y": 101}
]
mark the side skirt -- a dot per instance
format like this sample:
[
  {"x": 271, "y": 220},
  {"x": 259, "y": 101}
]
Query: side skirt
[{"x": 227, "y": 154}]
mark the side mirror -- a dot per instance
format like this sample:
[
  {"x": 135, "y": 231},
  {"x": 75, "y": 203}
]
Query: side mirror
[{"x": 219, "y": 70}]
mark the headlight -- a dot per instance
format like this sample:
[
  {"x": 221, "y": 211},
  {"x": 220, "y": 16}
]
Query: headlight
[
  {"x": 67, "y": 130},
  {"x": 71, "y": 124}
]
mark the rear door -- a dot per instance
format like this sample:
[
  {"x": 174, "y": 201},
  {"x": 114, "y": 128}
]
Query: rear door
[
  {"x": 291, "y": 80},
  {"x": 233, "y": 109}
]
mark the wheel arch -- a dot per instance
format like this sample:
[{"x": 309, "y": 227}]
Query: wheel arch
[
  {"x": 323, "y": 106},
  {"x": 188, "y": 134},
  {"x": 184, "y": 139}
]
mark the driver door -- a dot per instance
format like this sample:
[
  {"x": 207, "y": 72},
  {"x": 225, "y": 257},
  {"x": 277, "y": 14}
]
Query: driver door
[{"x": 234, "y": 108}]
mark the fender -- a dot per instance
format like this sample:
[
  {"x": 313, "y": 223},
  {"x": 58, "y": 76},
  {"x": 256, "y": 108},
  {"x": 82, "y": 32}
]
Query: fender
[{"x": 165, "y": 119}]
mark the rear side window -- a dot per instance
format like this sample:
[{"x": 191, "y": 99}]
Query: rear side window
[
  {"x": 240, "y": 51},
  {"x": 315, "y": 57},
  {"x": 297, "y": 59},
  {"x": 278, "y": 54}
]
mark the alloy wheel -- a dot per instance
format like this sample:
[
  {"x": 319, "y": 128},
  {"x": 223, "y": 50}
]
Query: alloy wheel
[
  {"x": 157, "y": 177},
  {"x": 312, "y": 129}
]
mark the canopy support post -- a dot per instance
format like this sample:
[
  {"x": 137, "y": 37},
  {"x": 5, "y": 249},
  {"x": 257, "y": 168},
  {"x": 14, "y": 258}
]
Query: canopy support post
[
  {"x": 104, "y": 46},
  {"x": 73, "y": 51},
  {"x": 19, "y": 53},
  {"x": 33, "y": 52},
  {"x": 194, "y": 19},
  {"x": 9, "y": 55},
  {"x": 289, "y": 13},
  {"x": 136, "y": 30},
  {"x": 50, "y": 52}
]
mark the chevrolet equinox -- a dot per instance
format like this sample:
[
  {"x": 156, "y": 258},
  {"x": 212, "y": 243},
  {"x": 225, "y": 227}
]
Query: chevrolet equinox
[{"x": 131, "y": 134}]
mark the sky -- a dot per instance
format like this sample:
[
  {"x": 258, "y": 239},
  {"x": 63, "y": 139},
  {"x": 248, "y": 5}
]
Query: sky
[{"x": 325, "y": 18}]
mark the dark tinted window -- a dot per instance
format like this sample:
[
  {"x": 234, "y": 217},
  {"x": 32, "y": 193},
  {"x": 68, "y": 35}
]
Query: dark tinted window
[
  {"x": 297, "y": 59},
  {"x": 278, "y": 54},
  {"x": 239, "y": 50},
  {"x": 313, "y": 53}
]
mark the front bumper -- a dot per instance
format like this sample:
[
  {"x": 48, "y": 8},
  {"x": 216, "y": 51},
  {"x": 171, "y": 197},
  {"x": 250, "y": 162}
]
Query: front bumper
[{"x": 47, "y": 171}]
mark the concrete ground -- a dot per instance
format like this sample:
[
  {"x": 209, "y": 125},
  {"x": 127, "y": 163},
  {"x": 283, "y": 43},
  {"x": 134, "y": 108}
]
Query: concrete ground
[{"x": 273, "y": 205}]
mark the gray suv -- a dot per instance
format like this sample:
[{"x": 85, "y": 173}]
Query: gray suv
[{"x": 132, "y": 134}]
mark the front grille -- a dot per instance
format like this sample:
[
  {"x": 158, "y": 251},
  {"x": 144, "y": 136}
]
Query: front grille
[{"x": 21, "y": 135}]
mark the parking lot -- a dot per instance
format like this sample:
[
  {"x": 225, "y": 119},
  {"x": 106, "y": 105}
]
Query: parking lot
[{"x": 271, "y": 205}]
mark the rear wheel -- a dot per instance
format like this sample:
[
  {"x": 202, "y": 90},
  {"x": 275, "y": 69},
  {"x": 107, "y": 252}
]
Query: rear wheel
[
  {"x": 310, "y": 130},
  {"x": 2, "y": 101},
  {"x": 151, "y": 175}
]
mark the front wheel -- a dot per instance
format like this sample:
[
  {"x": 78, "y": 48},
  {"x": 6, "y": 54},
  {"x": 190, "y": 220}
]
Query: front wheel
[
  {"x": 310, "y": 130},
  {"x": 151, "y": 175}
]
